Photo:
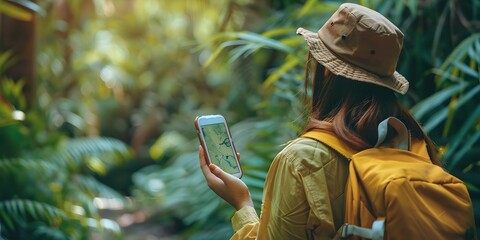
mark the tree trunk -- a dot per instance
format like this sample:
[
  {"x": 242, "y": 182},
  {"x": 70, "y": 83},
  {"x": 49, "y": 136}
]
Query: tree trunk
[{"x": 19, "y": 37}]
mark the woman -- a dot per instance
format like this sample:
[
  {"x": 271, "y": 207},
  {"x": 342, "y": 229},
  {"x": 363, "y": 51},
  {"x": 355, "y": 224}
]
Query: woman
[{"x": 354, "y": 57}]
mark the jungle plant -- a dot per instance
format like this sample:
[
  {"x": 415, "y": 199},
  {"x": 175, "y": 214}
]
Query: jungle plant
[
  {"x": 49, "y": 193},
  {"x": 47, "y": 180}
]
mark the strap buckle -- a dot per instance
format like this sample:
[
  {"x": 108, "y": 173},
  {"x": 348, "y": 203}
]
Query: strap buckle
[
  {"x": 345, "y": 231},
  {"x": 375, "y": 233}
]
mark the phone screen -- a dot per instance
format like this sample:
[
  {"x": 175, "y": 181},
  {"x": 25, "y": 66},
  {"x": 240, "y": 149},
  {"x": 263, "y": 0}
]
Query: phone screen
[{"x": 219, "y": 148}]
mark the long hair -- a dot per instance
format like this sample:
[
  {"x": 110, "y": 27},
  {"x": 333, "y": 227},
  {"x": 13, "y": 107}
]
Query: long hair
[{"x": 353, "y": 109}]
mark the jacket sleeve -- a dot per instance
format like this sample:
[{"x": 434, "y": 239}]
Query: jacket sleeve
[{"x": 245, "y": 224}]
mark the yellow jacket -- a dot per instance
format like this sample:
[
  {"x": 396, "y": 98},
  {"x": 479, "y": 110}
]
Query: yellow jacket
[{"x": 303, "y": 196}]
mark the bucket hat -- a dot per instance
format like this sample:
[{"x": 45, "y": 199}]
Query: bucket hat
[{"x": 360, "y": 44}]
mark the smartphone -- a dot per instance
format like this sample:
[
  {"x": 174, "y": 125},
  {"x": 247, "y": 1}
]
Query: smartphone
[{"x": 215, "y": 137}]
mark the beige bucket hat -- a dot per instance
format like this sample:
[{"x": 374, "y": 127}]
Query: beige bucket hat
[{"x": 360, "y": 44}]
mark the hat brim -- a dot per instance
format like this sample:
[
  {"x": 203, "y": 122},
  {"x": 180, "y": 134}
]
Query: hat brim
[{"x": 337, "y": 66}]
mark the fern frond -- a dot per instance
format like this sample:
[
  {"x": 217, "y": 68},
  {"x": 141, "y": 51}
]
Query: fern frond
[
  {"x": 46, "y": 232},
  {"x": 97, "y": 189},
  {"x": 98, "y": 154},
  {"x": 97, "y": 145},
  {"x": 15, "y": 165},
  {"x": 22, "y": 210}
]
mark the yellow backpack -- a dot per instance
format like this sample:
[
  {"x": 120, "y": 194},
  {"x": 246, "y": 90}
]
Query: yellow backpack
[{"x": 394, "y": 193}]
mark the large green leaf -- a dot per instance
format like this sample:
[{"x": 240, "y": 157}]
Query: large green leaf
[
  {"x": 425, "y": 106},
  {"x": 438, "y": 117},
  {"x": 455, "y": 63},
  {"x": 470, "y": 125}
]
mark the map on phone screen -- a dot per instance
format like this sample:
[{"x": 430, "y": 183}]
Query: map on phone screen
[{"x": 219, "y": 148}]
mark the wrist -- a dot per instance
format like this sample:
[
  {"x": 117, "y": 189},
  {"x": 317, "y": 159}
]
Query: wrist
[{"x": 248, "y": 203}]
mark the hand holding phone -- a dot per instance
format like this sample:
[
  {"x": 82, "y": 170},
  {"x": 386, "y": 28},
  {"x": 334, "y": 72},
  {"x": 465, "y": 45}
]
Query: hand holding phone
[{"x": 216, "y": 140}]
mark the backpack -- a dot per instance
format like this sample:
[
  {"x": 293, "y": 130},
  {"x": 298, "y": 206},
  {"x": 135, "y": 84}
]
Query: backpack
[{"x": 394, "y": 193}]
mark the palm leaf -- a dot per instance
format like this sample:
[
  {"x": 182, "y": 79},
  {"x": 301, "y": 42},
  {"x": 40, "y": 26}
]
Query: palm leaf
[
  {"x": 453, "y": 77},
  {"x": 454, "y": 64},
  {"x": 464, "y": 149},
  {"x": 313, "y": 7},
  {"x": 463, "y": 135},
  {"x": 291, "y": 62},
  {"x": 428, "y": 104},
  {"x": 246, "y": 43},
  {"x": 438, "y": 117}
]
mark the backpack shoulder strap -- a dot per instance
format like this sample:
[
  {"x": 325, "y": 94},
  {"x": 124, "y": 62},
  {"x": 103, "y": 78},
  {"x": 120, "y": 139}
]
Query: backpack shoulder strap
[{"x": 332, "y": 141}]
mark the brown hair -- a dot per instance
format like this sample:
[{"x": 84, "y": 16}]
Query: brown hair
[{"x": 353, "y": 109}]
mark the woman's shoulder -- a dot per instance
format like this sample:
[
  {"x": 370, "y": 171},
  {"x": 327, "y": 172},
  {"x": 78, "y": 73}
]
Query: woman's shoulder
[
  {"x": 307, "y": 152},
  {"x": 302, "y": 144}
]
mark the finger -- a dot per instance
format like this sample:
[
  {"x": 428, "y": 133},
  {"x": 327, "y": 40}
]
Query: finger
[
  {"x": 219, "y": 172},
  {"x": 212, "y": 179},
  {"x": 201, "y": 156},
  {"x": 203, "y": 161},
  {"x": 238, "y": 156}
]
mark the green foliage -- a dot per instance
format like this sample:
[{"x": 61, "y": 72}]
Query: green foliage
[
  {"x": 134, "y": 69},
  {"x": 10, "y": 89},
  {"x": 51, "y": 191},
  {"x": 16, "y": 211},
  {"x": 48, "y": 180},
  {"x": 6, "y": 61}
]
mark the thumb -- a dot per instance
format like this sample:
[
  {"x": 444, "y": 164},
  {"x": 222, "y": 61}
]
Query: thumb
[{"x": 217, "y": 171}]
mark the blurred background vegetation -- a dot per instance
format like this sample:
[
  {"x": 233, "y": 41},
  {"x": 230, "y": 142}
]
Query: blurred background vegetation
[{"x": 98, "y": 97}]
